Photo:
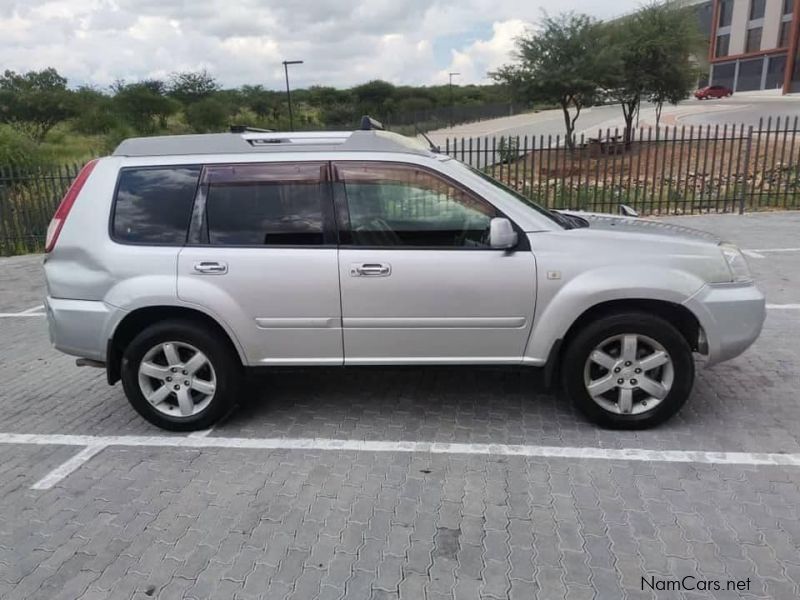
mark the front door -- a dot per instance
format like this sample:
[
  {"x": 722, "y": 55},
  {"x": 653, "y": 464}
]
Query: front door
[
  {"x": 262, "y": 258},
  {"x": 419, "y": 282}
]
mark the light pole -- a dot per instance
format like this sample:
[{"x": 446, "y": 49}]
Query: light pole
[
  {"x": 286, "y": 64},
  {"x": 452, "y": 103}
]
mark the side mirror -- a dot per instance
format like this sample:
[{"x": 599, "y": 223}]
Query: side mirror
[{"x": 502, "y": 234}]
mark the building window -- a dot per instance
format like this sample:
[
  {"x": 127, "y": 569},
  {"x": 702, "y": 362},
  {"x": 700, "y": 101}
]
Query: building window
[
  {"x": 757, "y": 9},
  {"x": 723, "y": 43},
  {"x": 753, "y": 43},
  {"x": 788, "y": 7},
  {"x": 786, "y": 31},
  {"x": 725, "y": 13}
]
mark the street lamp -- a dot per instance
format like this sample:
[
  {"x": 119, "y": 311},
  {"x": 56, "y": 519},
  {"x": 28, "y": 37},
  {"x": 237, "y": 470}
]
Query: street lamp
[
  {"x": 286, "y": 64},
  {"x": 452, "y": 103}
]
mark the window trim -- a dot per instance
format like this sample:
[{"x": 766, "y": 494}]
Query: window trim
[
  {"x": 342, "y": 210},
  {"x": 198, "y": 230},
  {"x": 112, "y": 235}
]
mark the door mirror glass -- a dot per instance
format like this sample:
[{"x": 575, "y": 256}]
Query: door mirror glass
[{"x": 502, "y": 234}]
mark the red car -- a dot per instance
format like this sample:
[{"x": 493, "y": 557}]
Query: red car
[{"x": 713, "y": 91}]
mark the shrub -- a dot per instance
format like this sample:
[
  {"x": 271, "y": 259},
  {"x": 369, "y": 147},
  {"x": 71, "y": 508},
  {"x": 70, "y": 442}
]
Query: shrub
[{"x": 18, "y": 149}]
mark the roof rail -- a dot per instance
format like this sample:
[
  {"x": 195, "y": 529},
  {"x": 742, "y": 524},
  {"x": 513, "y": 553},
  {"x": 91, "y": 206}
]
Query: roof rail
[
  {"x": 248, "y": 129},
  {"x": 369, "y": 124}
]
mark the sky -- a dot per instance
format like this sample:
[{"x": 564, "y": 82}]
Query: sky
[{"x": 416, "y": 42}]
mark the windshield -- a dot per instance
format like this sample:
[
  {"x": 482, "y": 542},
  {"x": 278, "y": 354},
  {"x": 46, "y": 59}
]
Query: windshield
[{"x": 553, "y": 216}]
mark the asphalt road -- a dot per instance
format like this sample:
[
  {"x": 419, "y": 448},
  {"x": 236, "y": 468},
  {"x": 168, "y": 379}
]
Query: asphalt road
[{"x": 740, "y": 108}]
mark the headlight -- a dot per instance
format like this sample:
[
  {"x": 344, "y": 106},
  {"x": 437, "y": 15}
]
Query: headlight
[{"x": 737, "y": 263}]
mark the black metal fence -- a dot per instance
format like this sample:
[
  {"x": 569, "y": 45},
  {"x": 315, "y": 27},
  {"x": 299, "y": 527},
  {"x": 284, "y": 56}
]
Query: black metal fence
[
  {"x": 666, "y": 170},
  {"x": 28, "y": 198},
  {"x": 670, "y": 170}
]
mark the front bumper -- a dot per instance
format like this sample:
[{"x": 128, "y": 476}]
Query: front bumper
[
  {"x": 731, "y": 316},
  {"x": 79, "y": 327}
]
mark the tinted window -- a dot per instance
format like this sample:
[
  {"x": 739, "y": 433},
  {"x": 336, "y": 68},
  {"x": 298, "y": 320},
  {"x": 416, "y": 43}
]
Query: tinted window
[
  {"x": 723, "y": 44},
  {"x": 154, "y": 205},
  {"x": 757, "y": 9},
  {"x": 398, "y": 205},
  {"x": 753, "y": 43},
  {"x": 786, "y": 30},
  {"x": 788, "y": 7},
  {"x": 272, "y": 205},
  {"x": 725, "y": 12}
]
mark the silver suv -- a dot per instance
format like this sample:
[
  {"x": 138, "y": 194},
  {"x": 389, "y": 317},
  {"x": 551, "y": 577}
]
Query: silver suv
[{"x": 179, "y": 263}]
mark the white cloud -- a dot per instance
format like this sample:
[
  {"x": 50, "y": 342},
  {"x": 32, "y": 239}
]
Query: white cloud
[
  {"x": 474, "y": 61},
  {"x": 342, "y": 43}
]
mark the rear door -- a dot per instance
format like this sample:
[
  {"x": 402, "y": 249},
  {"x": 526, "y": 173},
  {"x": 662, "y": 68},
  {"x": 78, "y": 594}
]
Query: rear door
[
  {"x": 262, "y": 257},
  {"x": 419, "y": 282}
]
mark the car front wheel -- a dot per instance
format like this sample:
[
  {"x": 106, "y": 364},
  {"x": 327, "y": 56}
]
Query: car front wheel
[
  {"x": 180, "y": 377},
  {"x": 628, "y": 370}
]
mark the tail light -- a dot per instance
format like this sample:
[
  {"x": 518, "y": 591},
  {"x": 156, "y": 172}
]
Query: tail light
[{"x": 54, "y": 229}]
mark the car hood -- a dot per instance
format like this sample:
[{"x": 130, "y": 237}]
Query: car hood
[{"x": 622, "y": 225}]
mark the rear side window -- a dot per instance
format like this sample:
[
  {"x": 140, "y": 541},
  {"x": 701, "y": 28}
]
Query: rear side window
[
  {"x": 154, "y": 205},
  {"x": 280, "y": 204}
]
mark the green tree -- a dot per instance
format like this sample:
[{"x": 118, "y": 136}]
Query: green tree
[
  {"x": 207, "y": 115},
  {"x": 96, "y": 114},
  {"x": 261, "y": 101},
  {"x": 143, "y": 104},
  {"x": 34, "y": 102},
  {"x": 655, "y": 47},
  {"x": 192, "y": 86},
  {"x": 374, "y": 97},
  {"x": 564, "y": 61}
]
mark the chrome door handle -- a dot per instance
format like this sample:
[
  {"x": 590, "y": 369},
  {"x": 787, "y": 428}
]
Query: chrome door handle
[
  {"x": 370, "y": 270},
  {"x": 211, "y": 268}
]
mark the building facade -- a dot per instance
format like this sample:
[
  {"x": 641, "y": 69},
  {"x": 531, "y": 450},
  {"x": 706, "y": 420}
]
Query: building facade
[{"x": 754, "y": 45}]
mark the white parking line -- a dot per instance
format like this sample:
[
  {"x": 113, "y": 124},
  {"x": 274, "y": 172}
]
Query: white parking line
[
  {"x": 783, "y": 306},
  {"x": 768, "y": 250},
  {"x": 94, "y": 444},
  {"x": 34, "y": 309},
  {"x": 21, "y": 315},
  {"x": 761, "y": 252},
  {"x": 72, "y": 465}
]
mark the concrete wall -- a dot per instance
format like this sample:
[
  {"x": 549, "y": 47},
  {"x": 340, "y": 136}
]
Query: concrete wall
[
  {"x": 741, "y": 16},
  {"x": 772, "y": 24}
]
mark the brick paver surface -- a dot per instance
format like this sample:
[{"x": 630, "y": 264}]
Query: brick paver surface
[{"x": 231, "y": 523}]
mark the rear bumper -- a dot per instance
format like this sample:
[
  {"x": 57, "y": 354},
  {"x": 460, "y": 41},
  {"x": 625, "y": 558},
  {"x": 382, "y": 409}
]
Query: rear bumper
[
  {"x": 80, "y": 327},
  {"x": 731, "y": 316}
]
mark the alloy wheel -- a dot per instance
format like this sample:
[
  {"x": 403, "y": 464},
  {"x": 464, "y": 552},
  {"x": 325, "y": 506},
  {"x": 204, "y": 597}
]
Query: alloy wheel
[
  {"x": 177, "y": 379},
  {"x": 628, "y": 374}
]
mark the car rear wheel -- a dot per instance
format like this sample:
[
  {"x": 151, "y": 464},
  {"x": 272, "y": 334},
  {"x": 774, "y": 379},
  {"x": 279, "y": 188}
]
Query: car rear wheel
[
  {"x": 179, "y": 377},
  {"x": 628, "y": 370}
]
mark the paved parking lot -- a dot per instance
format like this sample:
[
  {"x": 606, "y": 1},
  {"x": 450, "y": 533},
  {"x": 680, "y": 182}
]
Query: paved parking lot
[{"x": 404, "y": 483}]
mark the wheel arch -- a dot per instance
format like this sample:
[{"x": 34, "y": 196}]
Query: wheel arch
[
  {"x": 677, "y": 314},
  {"x": 141, "y": 318}
]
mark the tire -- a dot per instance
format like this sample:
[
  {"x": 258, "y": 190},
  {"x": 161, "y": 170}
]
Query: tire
[
  {"x": 628, "y": 406},
  {"x": 207, "y": 390}
]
